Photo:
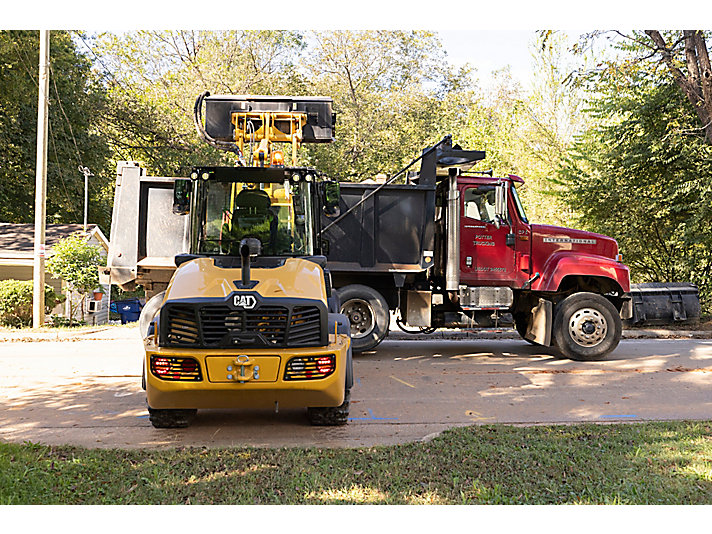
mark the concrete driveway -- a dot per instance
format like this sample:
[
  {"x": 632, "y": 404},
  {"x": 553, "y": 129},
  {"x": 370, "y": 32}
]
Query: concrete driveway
[{"x": 87, "y": 392}]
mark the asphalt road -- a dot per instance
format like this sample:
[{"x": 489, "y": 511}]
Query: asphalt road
[{"x": 87, "y": 393}]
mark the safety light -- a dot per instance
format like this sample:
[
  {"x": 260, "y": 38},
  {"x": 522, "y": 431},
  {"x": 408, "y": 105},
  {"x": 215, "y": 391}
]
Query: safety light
[
  {"x": 175, "y": 368},
  {"x": 310, "y": 367},
  {"x": 277, "y": 158},
  {"x": 619, "y": 257}
]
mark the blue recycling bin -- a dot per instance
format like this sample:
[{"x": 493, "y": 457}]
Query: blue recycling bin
[{"x": 129, "y": 310}]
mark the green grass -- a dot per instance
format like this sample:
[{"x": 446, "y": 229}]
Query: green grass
[{"x": 644, "y": 463}]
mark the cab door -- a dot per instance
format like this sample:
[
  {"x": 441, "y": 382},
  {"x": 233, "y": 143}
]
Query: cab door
[{"x": 487, "y": 245}]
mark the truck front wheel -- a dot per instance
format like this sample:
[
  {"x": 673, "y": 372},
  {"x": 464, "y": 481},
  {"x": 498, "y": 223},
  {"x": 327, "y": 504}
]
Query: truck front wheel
[
  {"x": 368, "y": 315},
  {"x": 586, "y": 326}
]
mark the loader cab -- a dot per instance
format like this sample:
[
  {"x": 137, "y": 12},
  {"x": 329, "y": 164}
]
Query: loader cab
[{"x": 278, "y": 206}]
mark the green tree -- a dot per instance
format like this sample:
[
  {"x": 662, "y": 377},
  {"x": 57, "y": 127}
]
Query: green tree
[
  {"x": 528, "y": 132},
  {"x": 76, "y": 262},
  {"x": 394, "y": 94},
  {"x": 75, "y": 104},
  {"x": 643, "y": 173},
  {"x": 16, "y": 302},
  {"x": 154, "y": 77}
]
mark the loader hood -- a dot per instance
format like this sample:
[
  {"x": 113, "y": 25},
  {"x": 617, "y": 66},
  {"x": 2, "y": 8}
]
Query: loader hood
[{"x": 294, "y": 278}]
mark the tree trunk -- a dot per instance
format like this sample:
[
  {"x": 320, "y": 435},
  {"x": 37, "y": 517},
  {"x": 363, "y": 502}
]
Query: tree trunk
[{"x": 697, "y": 83}]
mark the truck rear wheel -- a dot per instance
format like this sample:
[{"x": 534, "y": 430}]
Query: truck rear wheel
[
  {"x": 586, "y": 326},
  {"x": 171, "y": 418},
  {"x": 331, "y": 416},
  {"x": 521, "y": 324},
  {"x": 368, "y": 315}
]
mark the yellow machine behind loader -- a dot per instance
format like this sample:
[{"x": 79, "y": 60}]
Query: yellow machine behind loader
[{"x": 248, "y": 319}]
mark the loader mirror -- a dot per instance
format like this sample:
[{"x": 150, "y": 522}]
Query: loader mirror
[
  {"x": 332, "y": 195},
  {"x": 500, "y": 205},
  {"x": 181, "y": 196}
]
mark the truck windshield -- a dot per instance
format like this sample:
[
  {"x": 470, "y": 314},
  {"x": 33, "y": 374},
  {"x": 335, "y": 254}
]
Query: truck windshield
[
  {"x": 279, "y": 215},
  {"x": 520, "y": 208}
]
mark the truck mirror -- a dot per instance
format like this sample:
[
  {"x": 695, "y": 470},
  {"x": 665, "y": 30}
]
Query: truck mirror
[
  {"x": 332, "y": 196},
  {"x": 181, "y": 196},
  {"x": 500, "y": 204}
]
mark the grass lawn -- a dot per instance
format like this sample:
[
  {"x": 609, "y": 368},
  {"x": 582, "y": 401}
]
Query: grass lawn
[{"x": 639, "y": 463}]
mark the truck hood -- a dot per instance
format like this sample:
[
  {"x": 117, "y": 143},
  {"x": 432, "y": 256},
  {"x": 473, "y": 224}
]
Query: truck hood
[
  {"x": 200, "y": 278},
  {"x": 555, "y": 238}
]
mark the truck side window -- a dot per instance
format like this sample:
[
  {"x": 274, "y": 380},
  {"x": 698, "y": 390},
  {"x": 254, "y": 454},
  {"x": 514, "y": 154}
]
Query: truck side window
[{"x": 479, "y": 203}]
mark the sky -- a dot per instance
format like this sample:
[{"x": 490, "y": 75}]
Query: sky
[{"x": 491, "y": 50}]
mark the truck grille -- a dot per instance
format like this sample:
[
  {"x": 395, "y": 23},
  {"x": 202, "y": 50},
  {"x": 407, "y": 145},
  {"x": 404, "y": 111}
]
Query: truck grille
[{"x": 218, "y": 325}]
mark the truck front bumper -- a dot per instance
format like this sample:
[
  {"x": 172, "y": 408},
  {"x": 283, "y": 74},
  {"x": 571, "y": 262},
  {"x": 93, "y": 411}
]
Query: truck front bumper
[{"x": 248, "y": 378}]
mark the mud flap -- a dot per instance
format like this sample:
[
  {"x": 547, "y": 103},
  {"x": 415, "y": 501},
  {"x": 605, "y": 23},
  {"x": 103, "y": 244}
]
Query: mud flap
[{"x": 539, "y": 329}]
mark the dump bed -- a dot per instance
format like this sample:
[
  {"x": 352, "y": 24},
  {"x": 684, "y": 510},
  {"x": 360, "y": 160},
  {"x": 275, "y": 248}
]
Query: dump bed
[{"x": 392, "y": 231}]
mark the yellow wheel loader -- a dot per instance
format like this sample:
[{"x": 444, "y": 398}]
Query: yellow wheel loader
[{"x": 248, "y": 319}]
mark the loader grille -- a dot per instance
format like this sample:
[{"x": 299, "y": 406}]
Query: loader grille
[
  {"x": 220, "y": 321},
  {"x": 221, "y": 326},
  {"x": 182, "y": 325}
]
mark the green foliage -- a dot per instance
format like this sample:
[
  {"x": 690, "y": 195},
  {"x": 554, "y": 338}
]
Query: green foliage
[
  {"x": 643, "y": 174},
  {"x": 16, "y": 299},
  {"x": 394, "y": 94},
  {"x": 76, "y": 262},
  {"x": 75, "y": 103},
  {"x": 154, "y": 77},
  {"x": 528, "y": 132}
]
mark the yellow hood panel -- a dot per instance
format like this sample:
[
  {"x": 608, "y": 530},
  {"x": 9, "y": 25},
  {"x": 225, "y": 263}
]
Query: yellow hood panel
[{"x": 297, "y": 278}]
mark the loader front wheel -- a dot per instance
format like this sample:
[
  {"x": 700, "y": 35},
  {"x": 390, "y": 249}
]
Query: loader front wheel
[
  {"x": 331, "y": 416},
  {"x": 171, "y": 418}
]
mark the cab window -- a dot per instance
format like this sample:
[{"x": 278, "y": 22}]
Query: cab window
[{"x": 479, "y": 203}]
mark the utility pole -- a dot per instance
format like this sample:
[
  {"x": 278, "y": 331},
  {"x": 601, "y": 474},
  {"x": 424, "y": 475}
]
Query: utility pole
[
  {"x": 38, "y": 300},
  {"x": 87, "y": 173}
]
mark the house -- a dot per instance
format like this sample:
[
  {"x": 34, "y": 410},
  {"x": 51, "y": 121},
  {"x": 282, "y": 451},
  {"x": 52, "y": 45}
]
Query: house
[{"x": 17, "y": 261}]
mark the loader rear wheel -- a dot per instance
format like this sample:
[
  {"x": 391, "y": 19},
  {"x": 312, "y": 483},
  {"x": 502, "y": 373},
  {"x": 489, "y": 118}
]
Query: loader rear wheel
[
  {"x": 368, "y": 315},
  {"x": 171, "y": 418},
  {"x": 586, "y": 326},
  {"x": 331, "y": 416}
]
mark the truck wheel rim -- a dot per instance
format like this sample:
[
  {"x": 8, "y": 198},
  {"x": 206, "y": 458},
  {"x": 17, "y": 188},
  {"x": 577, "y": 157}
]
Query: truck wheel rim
[
  {"x": 361, "y": 317},
  {"x": 588, "y": 327}
]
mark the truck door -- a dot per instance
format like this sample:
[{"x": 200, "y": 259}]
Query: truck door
[{"x": 486, "y": 258}]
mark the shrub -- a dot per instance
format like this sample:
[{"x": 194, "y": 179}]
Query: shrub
[{"x": 16, "y": 302}]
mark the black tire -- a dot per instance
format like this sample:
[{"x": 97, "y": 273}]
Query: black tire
[
  {"x": 331, "y": 416},
  {"x": 171, "y": 418},
  {"x": 521, "y": 325},
  {"x": 368, "y": 315},
  {"x": 586, "y": 327}
]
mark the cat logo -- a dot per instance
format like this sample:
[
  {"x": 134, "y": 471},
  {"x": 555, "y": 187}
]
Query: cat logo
[{"x": 246, "y": 302}]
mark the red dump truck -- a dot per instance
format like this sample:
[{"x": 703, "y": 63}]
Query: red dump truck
[{"x": 451, "y": 248}]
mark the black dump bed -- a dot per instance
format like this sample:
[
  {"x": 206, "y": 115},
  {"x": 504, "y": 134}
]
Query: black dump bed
[{"x": 391, "y": 231}]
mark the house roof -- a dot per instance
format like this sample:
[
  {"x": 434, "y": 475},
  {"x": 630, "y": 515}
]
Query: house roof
[{"x": 17, "y": 240}]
